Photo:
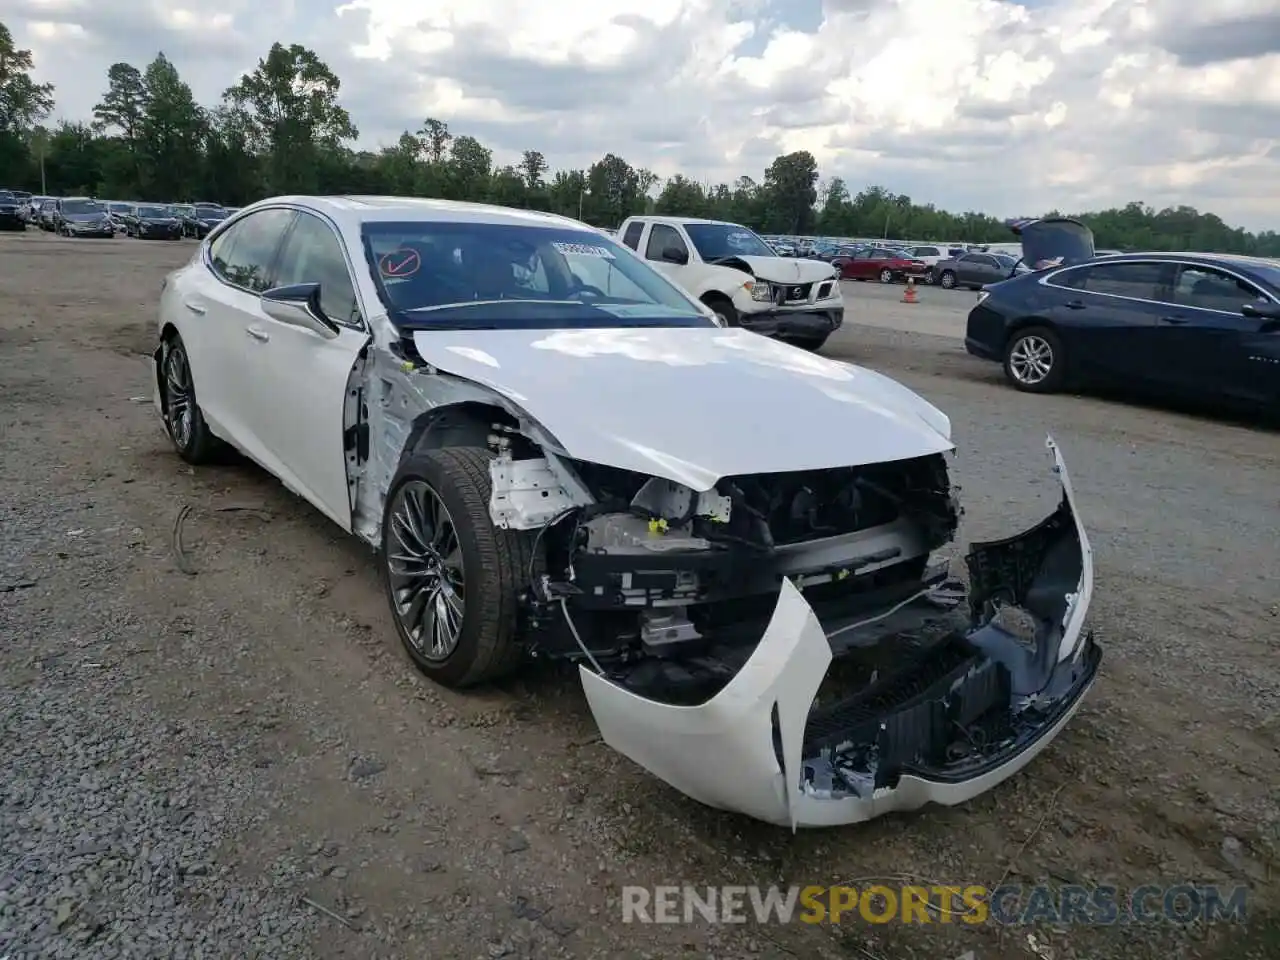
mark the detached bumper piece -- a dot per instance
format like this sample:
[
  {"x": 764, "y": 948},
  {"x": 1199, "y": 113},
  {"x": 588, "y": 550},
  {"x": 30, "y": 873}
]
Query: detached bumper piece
[
  {"x": 808, "y": 323},
  {"x": 952, "y": 718}
]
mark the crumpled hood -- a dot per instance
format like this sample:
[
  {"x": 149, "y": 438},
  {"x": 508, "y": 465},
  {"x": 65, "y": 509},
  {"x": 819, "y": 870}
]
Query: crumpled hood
[
  {"x": 788, "y": 269},
  {"x": 693, "y": 405}
]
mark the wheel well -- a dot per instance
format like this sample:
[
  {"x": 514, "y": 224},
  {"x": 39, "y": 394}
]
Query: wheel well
[
  {"x": 715, "y": 296},
  {"x": 470, "y": 424},
  {"x": 1022, "y": 324},
  {"x": 168, "y": 334}
]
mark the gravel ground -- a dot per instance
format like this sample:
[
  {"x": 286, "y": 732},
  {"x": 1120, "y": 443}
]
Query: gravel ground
[{"x": 186, "y": 757}]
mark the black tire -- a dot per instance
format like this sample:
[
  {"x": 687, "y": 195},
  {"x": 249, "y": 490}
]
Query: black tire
[
  {"x": 193, "y": 439},
  {"x": 723, "y": 307},
  {"x": 496, "y": 567},
  {"x": 947, "y": 280},
  {"x": 1019, "y": 368},
  {"x": 886, "y": 275}
]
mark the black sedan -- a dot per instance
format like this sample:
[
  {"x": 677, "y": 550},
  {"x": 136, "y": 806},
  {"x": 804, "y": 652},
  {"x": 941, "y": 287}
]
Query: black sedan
[
  {"x": 201, "y": 219},
  {"x": 1192, "y": 325},
  {"x": 82, "y": 217},
  {"x": 152, "y": 221},
  {"x": 11, "y": 212}
]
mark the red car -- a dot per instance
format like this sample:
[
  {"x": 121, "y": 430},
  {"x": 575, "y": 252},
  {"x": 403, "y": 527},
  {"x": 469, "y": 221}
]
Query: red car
[{"x": 879, "y": 263}]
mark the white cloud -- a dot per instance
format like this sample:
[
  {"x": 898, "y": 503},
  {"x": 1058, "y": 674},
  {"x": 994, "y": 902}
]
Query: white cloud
[{"x": 970, "y": 104}]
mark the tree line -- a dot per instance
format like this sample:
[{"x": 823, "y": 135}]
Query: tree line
[{"x": 281, "y": 129}]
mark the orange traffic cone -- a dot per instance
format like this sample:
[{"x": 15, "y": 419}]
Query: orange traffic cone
[{"x": 910, "y": 295}]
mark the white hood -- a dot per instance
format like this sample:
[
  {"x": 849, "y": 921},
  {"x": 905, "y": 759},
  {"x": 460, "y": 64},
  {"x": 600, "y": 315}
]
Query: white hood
[
  {"x": 693, "y": 405},
  {"x": 788, "y": 270}
]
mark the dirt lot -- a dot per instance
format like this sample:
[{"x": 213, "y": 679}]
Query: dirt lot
[{"x": 184, "y": 756}]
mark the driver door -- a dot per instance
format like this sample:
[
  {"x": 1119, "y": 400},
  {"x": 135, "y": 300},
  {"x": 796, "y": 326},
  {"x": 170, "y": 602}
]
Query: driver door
[
  {"x": 662, "y": 237},
  {"x": 301, "y": 376}
]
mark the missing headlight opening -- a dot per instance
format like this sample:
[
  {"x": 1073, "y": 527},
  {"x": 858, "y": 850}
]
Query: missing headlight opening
[{"x": 670, "y": 592}]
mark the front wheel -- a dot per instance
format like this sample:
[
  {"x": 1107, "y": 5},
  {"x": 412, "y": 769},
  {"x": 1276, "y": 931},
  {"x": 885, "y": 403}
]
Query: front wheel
[
  {"x": 948, "y": 280},
  {"x": 724, "y": 309},
  {"x": 1035, "y": 360},
  {"x": 453, "y": 579},
  {"x": 886, "y": 276}
]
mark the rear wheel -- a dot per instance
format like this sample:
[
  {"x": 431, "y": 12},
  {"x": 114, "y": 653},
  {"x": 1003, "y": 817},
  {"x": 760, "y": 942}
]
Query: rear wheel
[
  {"x": 1035, "y": 360},
  {"x": 183, "y": 418},
  {"x": 886, "y": 275},
  {"x": 453, "y": 579}
]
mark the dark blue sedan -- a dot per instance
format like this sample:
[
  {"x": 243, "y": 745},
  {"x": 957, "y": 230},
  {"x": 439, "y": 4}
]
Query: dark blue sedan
[{"x": 1176, "y": 324}]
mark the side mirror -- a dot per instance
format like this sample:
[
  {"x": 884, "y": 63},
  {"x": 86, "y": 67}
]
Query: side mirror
[
  {"x": 299, "y": 306},
  {"x": 1268, "y": 312},
  {"x": 675, "y": 255}
]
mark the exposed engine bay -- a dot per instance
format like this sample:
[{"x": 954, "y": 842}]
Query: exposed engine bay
[{"x": 668, "y": 596}]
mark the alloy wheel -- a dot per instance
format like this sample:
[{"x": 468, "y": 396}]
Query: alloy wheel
[
  {"x": 886, "y": 276},
  {"x": 948, "y": 281},
  {"x": 1031, "y": 360},
  {"x": 179, "y": 396},
  {"x": 424, "y": 564}
]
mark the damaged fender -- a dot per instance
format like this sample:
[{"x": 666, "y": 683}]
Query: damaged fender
[{"x": 744, "y": 749}]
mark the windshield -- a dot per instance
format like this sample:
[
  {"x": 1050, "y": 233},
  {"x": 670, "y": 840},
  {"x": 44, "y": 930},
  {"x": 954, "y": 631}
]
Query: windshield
[
  {"x": 484, "y": 275},
  {"x": 716, "y": 241},
  {"x": 155, "y": 212},
  {"x": 210, "y": 215},
  {"x": 118, "y": 207},
  {"x": 7, "y": 197},
  {"x": 82, "y": 206}
]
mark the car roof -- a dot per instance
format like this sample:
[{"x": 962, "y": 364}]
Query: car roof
[
  {"x": 727, "y": 223},
  {"x": 1237, "y": 260},
  {"x": 355, "y": 210}
]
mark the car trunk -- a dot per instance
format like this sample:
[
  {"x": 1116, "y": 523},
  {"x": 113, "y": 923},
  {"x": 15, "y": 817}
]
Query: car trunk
[{"x": 1053, "y": 241}]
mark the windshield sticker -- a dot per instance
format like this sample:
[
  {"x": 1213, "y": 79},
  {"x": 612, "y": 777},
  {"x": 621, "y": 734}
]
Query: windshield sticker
[
  {"x": 399, "y": 264},
  {"x": 583, "y": 250}
]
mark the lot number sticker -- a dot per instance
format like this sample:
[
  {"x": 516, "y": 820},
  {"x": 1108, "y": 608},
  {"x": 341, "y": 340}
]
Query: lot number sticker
[{"x": 584, "y": 250}]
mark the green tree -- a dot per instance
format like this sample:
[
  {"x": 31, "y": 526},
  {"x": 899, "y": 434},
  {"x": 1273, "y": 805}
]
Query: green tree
[
  {"x": 291, "y": 113},
  {"x": 23, "y": 104},
  {"x": 612, "y": 191},
  {"x": 790, "y": 187},
  {"x": 171, "y": 134}
]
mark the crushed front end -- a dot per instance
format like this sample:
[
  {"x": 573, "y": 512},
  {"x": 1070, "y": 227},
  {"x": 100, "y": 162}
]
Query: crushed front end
[{"x": 790, "y": 651}]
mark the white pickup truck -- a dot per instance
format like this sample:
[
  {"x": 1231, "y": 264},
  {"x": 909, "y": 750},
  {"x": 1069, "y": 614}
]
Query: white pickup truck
[{"x": 738, "y": 276}]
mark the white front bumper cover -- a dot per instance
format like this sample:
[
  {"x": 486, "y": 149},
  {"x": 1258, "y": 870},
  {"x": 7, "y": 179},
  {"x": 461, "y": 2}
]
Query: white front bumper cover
[{"x": 746, "y": 748}]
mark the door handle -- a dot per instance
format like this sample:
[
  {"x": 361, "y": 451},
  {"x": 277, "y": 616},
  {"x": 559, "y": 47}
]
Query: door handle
[
  {"x": 1074, "y": 305},
  {"x": 193, "y": 307},
  {"x": 258, "y": 334},
  {"x": 1175, "y": 321}
]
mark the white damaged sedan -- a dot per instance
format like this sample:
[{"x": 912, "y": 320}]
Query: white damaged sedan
[{"x": 556, "y": 452}]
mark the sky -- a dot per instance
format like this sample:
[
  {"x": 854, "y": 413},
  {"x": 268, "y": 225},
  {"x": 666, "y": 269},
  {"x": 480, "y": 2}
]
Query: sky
[{"x": 1004, "y": 107}]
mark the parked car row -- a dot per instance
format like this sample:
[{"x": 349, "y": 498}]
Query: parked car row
[{"x": 92, "y": 217}]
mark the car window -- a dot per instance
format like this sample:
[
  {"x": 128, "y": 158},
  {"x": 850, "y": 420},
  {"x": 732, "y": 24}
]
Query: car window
[
  {"x": 1213, "y": 290},
  {"x": 632, "y": 237},
  {"x": 433, "y": 273},
  {"x": 312, "y": 253},
  {"x": 662, "y": 236},
  {"x": 243, "y": 255},
  {"x": 1142, "y": 281}
]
